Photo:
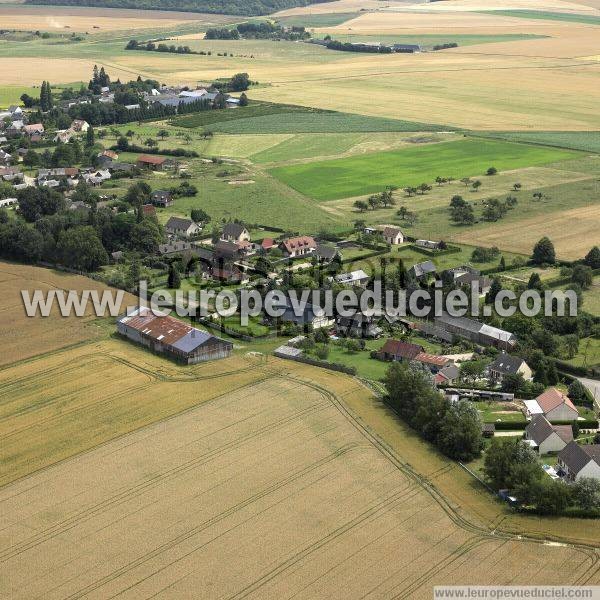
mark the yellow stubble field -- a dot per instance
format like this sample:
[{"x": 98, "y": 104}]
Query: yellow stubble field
[{"x": 272, "y": 489}]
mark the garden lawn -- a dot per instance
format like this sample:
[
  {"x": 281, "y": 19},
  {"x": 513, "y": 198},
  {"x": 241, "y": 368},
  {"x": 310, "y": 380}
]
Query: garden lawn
[{"x": 356, "y": 176}]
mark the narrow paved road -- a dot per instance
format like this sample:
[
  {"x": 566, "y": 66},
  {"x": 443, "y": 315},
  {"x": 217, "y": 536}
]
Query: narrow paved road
[{"x": 594, "y": 386}]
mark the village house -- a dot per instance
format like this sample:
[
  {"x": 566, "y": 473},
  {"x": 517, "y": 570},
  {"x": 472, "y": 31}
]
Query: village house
[
  {"x": 235, "y": 232},
  {"x": 433, "y": 362},
  {"x": 5, "y": 158},
  {"x": 174, "y": 248},
  {"x": 33, "y": 130},
  {"x": 447, "y": 375},
  {"x": 326, "y": 253},
  {"x": 554, "y": 405},
  {"x": 358, "y": 326},
  {"x": 298, "y": 246},
  {"x": 97, "y": 178},
  {"x": 170, "y": 336},
  {"x": 472, "y": 280},
  {"x": 64, "y": 136},
  {"x": 545, "y": 437},
  {"x": 575, "y": 461},
  {"x": 267, "y": 244},
  {"x": 182, "y": 227},
  {"x": 423, "y": 271},
  {"x": 308, "y": 316},
  {"x": 161, "y": 198},
  {"x": 354, "y": 278},
  {"x": 505, "y": 364},
  {"x": 80, "y": 126},
  {"x": 392, "y": 235},
  {"x": 227, "y": 251},
  {"x": 232, "y": 274}
]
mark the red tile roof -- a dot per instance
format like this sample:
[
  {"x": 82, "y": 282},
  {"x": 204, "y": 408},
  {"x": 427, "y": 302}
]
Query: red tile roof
[
  {"x": 432, "y": 359},
  {"x": 267, "y": 243},
  {"x": 402, "y": 349},
  {"x": 151, "y": 160},
  {"x": 297, "y": 243},
  {"x": 552, "y": 398}
]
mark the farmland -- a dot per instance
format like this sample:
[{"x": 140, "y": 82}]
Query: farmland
[
  {"x": 371, "y": 173},
  {"x": 276, "y": 455},
  {"x": 457, "y": 87}
]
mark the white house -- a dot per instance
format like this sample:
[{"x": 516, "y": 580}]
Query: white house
[
  {"x": 392, "y": 235},
  {"x": 554, "y": 405},
  {"x": 576, "y": 462},
  {"x": 182, "y": 227},
  {"x": 235, "y": 232},
  {"x": 505, "y": 364},
  {"x": 298, "y": 246},
  {"x": 354, "y": 278},
  {"x": 545, "y": 437}
]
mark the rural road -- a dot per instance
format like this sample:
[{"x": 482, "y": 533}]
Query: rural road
[{"x": 594, "y": 386}]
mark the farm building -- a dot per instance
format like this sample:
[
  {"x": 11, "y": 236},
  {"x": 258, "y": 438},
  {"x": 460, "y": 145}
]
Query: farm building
[
  {"x": 554, "y": 405},
  {"x": 477, "y": 332},
  {"x": 172, "y": 337},
  {"x": 156, "y": 163},
  {"x": 397, "y": 350}
]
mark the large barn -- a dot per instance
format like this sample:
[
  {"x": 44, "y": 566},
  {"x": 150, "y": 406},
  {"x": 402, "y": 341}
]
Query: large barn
[{"x": 173, "y": 337}]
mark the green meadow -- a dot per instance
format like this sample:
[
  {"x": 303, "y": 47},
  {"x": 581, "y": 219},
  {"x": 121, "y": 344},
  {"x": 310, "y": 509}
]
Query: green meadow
[
  {"x": 361, "y": 175},
  {"x": 547, "y": 15},
  {"x": 588, "y": 141}
]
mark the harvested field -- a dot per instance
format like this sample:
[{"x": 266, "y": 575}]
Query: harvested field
[
  {"x": 573, "y": 233},
  {"x": 28, "y": 71},
  {"x": 93, "y": 20},
  {"x": 24, "y": 337},
  {"x": 270, "y": 491}
]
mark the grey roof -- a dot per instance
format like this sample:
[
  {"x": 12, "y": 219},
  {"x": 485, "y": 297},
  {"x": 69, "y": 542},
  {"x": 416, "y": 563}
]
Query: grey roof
[
  {"x": 192, "y": 340},
  {"x": 326, "y": 252},
  {"x": 451, "y": 371},
  {"x": 225, "y": 248},
  {"x": 539, "y": 429},
  {"x": 506, "y": 364},
  {"x": 424, "y": 268},
  {"x": 471, "y": 278},
  {"x": 576, "y": 457},
  {"x": 179, "y": 223},
  {"x": 233, "y": 230},
  {"x": 174, "y": 247}
]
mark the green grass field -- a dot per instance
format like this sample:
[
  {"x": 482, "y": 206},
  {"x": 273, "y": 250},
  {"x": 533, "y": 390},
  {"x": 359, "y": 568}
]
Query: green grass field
[
  {"x": 547, "y": 15},
  {"x": 315, "y": 122},
  {"x": 588, "y": 141},
  {"x": 589, "y": 353},
  {"x": 357, "y": 176},
  {"x": 10, "y": 94},
  {"x": 317, "y": 20},
  {"x": 254, "y": 109}
]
